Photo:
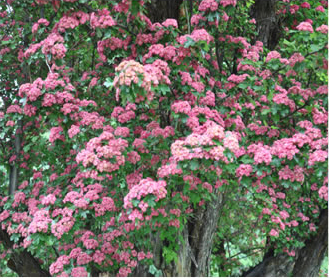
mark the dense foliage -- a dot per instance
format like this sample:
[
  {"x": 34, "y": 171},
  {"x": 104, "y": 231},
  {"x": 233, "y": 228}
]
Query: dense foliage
[{"x": 121, "y": 132}]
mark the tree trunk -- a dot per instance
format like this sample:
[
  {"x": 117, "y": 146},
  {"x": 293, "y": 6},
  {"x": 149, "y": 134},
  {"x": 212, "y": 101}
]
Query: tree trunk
[
  {"x": 195, "y": 251},
  {"x": 23, "y": 263},
  {"x": 306, "y": 262},
  {"x": 159, "y": 11},
  {"x": 268, "y": 23},
  {"x": 311, "y": 256}
]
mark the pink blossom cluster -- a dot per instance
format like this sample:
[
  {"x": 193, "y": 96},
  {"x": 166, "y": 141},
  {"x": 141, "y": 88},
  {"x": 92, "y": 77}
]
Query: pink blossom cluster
[
  {"x": 101, "y": 19},
  {"x": 170, "y": 22},
  {"x": 295, "y": 58},
  {"x": 32, "y": 49},
  {"x": 56, "y": 133},
  {"x": 322, "y": 29},
  {"x": 144, "y": 188},
  {"x": 305, "y": 26},
  {"x": 169, "y": 169},
  {"x": 323, "y": 192},
  {"x": 238, "y": 40},
  {"x": 48, "y": 200},
  {"x": 112, "y": 150},
  {"x": 106, "y": 205},
  {"x": 193, "y": 145},
  {"x": 19, "y": 198},
  {"x": 124, "y": 114},
  {"x": 211, "y": 115},
  {"x": 273, "y": 55},
  {"x": 40, "y": 222},
  {"x": 79, "y": 272},
  {"x": 317, "y": 156},
  {"x": 237, "y": 78},
  {"x": 225, "y": 3},
  {"x": 259, "y": 129},
  {"x": 209, "y": 99},
  {"x": 14, "y": 109},
  {"x": 58, "y": 265},
  {"x": 274, "y": 233},
  {"x": 39, "y": 22},
  {"x": 113, "y": 43},
  {"x": 166, "y": 52},
  {"x": 149, "y": 75},
  {"x": 319, "y": 117},
  {"x": 196, "y": 35},
  {"x": 284, "y": 99},
  {"x": 205, "y": 5},
  {"x": 181, "y": 107},
  {"x": 244, "y": 170},
  {"x": 293, "y": 175},
  {"x": 284, "y": 148},
  {"x": 53, "y": 44},
  {"x": 74, "y": 130},
  {"x": 72, "y": 21},
  {"x": 262, "y": 154},
  {"x": 62, "y": 226},
  {"x": 195, "y": 19},
  {"x": 94, "y": 119},
  {"x": 4, "y": 215}
]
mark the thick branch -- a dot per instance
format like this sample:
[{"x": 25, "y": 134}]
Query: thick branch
[{"x": 23, "y": 263}]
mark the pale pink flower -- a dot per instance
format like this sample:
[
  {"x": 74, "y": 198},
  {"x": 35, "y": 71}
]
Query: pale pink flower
[
  {"x": 274, "y": 233},
  {"x": 305, "y": 26}
]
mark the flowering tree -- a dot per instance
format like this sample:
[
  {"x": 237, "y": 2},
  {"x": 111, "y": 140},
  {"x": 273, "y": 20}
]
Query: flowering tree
[{"x": 166, "y": 138}]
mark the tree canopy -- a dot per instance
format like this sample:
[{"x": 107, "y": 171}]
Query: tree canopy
[{"x": 163, "y": 138}]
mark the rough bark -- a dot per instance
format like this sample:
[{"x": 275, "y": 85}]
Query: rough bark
[
  {"x": 306, "y": 263},
  {"x": 268, "y": 23},
  {"x": 311, "y": 256},
  {"x": 159, "y": 11},
  {"x": 23, "y": 263},
  {"x": 195, "y": 250},
  {"x": 13, "y": 175}
]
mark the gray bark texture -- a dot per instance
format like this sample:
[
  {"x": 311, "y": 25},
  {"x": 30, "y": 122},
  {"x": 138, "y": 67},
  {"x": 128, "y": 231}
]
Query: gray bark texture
[
  {"x": 268, "y": 23},
  {"x": 195, "y": 251},
  {"x": 160, "y": 10},
  {"x": 23, "y": 263},
  {"x": 307, "y": 261}
]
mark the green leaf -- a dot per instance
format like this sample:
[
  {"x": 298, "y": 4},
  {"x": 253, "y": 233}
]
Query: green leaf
[{"x": 194, "y": 165}]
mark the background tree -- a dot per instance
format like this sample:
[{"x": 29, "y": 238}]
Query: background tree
[{"x": 166, "y": 138}]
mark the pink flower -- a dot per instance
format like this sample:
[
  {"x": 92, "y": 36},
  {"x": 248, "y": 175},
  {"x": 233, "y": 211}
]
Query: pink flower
[
  {"x": 225, "y": 3},
  {"x": 322, "y": 29},
  {"x": 208, "y": 5},
  {"x": 305, "y": 26},
  {"x": 237, "y": 78},
  {"x": 305, "y": 5},
  {"x": 201, "y": 35},
  {"x": 74, "y": 130},
  {"x": 244, "y": 170},
  {"x": 196, "y": 18},
  {"x": 284, "y": 215},
  {"x": 263, "y": 155},
  {"x": 56, "y": 133},
  {"x": 323, "y": 192},
  {"x": 273, "y": 55},
  {"x": 83, "y": 258},
  {"x": 14, "y": 109},
  {"x": 170, "y": 22},
  {"x": 317, "y": 156},
  {"x": 48, "y": 200},
  {"x": 320, "y": 9},
  {"x": 231, "y": 142},
  {"x": 274, "y": 233},
  {"x": 79, "y": 272},
  {"x": 181, "y": 107}
]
